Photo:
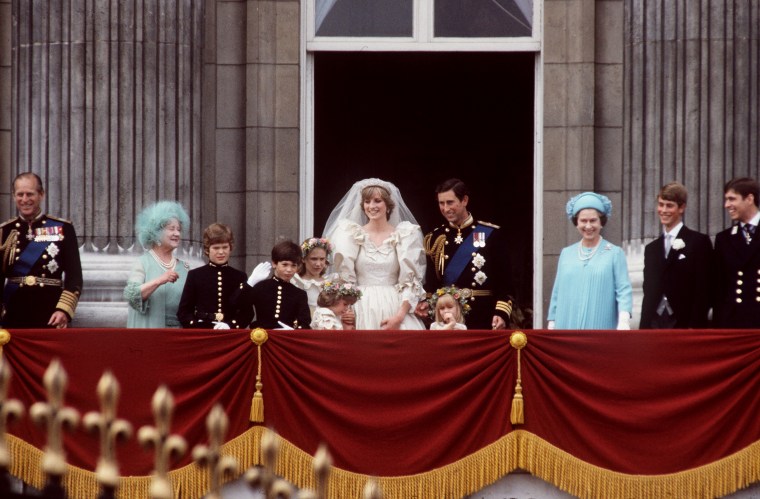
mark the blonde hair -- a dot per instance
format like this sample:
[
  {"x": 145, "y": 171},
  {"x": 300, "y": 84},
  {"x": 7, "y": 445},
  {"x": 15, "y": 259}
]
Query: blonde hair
[{"x": 443, "y": 300}]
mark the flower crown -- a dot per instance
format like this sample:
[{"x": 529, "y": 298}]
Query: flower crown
[
  {"x": 340, "y": 288},
  {"x": 460, "y": 295},
  {"x": 316, "y": 242}
]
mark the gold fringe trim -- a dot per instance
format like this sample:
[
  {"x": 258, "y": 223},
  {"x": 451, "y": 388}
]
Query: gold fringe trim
[{"x": 518, "y": 449}]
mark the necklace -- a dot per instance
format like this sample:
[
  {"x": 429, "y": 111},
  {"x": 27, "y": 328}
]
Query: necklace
[
  {"x": 584, "y": 254},
  {"x": 168, "y": 266}
]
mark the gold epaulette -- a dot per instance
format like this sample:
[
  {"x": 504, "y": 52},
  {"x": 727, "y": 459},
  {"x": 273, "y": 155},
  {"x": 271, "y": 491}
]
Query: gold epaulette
[
  {"x": 10, "y": 220},
  {"x": 434, "y": 249},
  {"x": 8, "y": 249},
  {"x": 58, "y": 219},
  {"x": 488, "y": 224}
]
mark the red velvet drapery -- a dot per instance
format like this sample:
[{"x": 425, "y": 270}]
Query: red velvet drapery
[{"x": 400, "y": 403}]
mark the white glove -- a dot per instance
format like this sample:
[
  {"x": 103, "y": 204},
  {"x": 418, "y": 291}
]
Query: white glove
[
  {"x": 550, "y": 325},
  {"x": 624, "y": 321},
  {"x": 221, "y": 325},
  {"x": 284, "y": 326},
  {"x": 259, "y": 273}
]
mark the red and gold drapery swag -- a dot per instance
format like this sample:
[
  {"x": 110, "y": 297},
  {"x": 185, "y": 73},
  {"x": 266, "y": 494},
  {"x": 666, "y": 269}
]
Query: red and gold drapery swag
[{"x": 606, "y": 413}]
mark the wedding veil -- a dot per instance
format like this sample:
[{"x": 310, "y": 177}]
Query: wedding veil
[{"x": 350, "y": 207}]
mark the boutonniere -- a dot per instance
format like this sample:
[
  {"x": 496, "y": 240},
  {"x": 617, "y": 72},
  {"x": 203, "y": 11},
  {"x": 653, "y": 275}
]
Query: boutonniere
[
  {"x": 678, "y": 244},
  {"x": 734, "y": 230}
]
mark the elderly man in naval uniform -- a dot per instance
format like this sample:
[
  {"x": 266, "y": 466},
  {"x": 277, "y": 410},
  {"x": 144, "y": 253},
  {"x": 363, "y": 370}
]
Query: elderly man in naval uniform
[{"x": 40, "y": 270}]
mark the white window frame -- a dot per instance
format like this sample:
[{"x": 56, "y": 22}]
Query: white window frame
[{"x": 422, "y": 41}]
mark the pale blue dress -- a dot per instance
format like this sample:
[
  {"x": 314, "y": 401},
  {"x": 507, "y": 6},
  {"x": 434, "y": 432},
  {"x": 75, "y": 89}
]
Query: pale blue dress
[
  {"x": 160, "y": 309},
  {"x": 589, "y": 294}
]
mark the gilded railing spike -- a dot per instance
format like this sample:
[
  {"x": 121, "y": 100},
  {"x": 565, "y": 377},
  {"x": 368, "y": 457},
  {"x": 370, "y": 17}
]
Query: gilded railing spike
[
  {"x": 164, "y": 445},
  {"x": 322, "y": 466},
  {"x": 264, "y": 477},
  {"x": 211, "y": 456},
  {"x": 372, "y": 490},
  {"x": 110, "y": 430},
  {"x": 56, "y": 418},
  {"x": 10, "y": 410}
]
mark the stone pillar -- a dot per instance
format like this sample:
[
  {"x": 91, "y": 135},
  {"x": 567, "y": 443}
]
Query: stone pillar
[
  {"x": 692, "y": 106},
  {"x": 251, "y": 128},
  {"x": 5, "y": 103},
  {"x": 582, "y": 119},
  {"x": 105, "y": 98},
  {"x": 106, "y": 108},
  {"x": 272, "y": 125}
]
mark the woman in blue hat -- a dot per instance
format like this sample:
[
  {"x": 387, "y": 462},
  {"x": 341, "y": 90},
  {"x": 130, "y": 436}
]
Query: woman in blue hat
[{"x": 592, "y": 289}]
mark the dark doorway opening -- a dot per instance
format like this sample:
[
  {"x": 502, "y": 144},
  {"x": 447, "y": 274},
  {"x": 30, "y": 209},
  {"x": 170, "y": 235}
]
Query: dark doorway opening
[{"x": 416, "y": 119}]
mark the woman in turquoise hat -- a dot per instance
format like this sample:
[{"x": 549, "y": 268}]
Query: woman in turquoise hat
[
  {"x": 592, "y": 289},
  {"x": 157, "y": 279}
]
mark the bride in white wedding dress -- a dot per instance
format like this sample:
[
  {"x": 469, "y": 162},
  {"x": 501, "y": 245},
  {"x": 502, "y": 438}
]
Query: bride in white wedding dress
[{"x": 378, "y": 246}]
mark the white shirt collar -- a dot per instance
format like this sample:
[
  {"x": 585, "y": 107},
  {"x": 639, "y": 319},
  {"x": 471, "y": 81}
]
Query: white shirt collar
[
  {"x": 755, "y": 220},
  {"x": 675, "y": 230}
]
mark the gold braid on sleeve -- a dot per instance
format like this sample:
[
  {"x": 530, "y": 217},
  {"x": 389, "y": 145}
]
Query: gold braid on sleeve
[
  {"x": 9, "y": 249},
  {"x": 435, "y": 252}
]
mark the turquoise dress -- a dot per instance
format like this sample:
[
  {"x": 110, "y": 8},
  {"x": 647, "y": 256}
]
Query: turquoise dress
[
  {"x": 590, "y": 291},
  {"x": 160, "y": 309}
]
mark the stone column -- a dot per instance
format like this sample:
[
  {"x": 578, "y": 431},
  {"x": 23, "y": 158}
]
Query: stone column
[
  {"x": 106, "y": 108},
  {"x": 105, "y": 98},
  {"x": 692, "y": 106},
  {"x": 272, "y": 124},
  {"x": 251, "y": 128},
  {"x": 582, "y": 120},
  {"x": 5, "y": 103}
]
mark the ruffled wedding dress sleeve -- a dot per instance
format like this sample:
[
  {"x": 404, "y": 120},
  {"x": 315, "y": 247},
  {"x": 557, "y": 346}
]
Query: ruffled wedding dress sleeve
[
  {"x": 411, "y": 257},
  {"x": 347, "y": 240}
]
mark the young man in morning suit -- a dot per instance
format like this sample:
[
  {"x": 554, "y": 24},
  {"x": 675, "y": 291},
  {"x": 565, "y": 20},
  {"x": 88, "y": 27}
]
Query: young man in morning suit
[
  {"x": 676, "y": 269},
  {"x": 737, "y": 258},
  {"x": 470, "y": 254}
]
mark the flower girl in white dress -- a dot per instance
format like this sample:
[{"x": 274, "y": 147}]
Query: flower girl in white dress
[
  {"x": 448, "y": 307},
  {"x": 334, "y": 304},
  {"x": 316, "y": 258}
]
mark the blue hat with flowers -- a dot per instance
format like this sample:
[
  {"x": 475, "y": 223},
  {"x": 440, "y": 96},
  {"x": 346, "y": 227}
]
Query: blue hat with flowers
[{"x": 584, "y": 200}]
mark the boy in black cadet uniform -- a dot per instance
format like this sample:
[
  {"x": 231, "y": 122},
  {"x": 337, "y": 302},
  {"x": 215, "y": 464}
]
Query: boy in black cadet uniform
[
  {"x": 207, "y": 297},
  {"x": 277, "y": 302}
]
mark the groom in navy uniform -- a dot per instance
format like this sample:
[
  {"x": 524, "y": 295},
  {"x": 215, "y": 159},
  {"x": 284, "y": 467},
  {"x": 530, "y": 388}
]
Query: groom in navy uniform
[
  {"x": 676, "y": 269},
  {"x": 470, "y": 254},
  {"x": 737, "y": 258}
]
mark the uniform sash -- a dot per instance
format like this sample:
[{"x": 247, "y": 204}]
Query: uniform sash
[
  {"x": 26, "y": 261},
  {"x": 462, "y": 257}
]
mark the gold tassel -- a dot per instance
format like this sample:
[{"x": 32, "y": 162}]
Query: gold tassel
[
  {"x": 258, "y": 336},
  {"x": 517, "y": 416},
  {"x": 518, "y": 340},
  {"x": 257, "y": 403}
]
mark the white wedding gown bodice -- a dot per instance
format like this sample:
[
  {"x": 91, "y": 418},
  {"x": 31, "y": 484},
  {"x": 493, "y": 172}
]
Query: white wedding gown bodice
[{"x": 387, "y": 274}]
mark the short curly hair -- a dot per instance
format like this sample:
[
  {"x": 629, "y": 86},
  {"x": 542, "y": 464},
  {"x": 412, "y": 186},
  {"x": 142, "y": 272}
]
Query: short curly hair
[
  {"x": 152, "y": 220},
  {"x": 217, "y": 233}
]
